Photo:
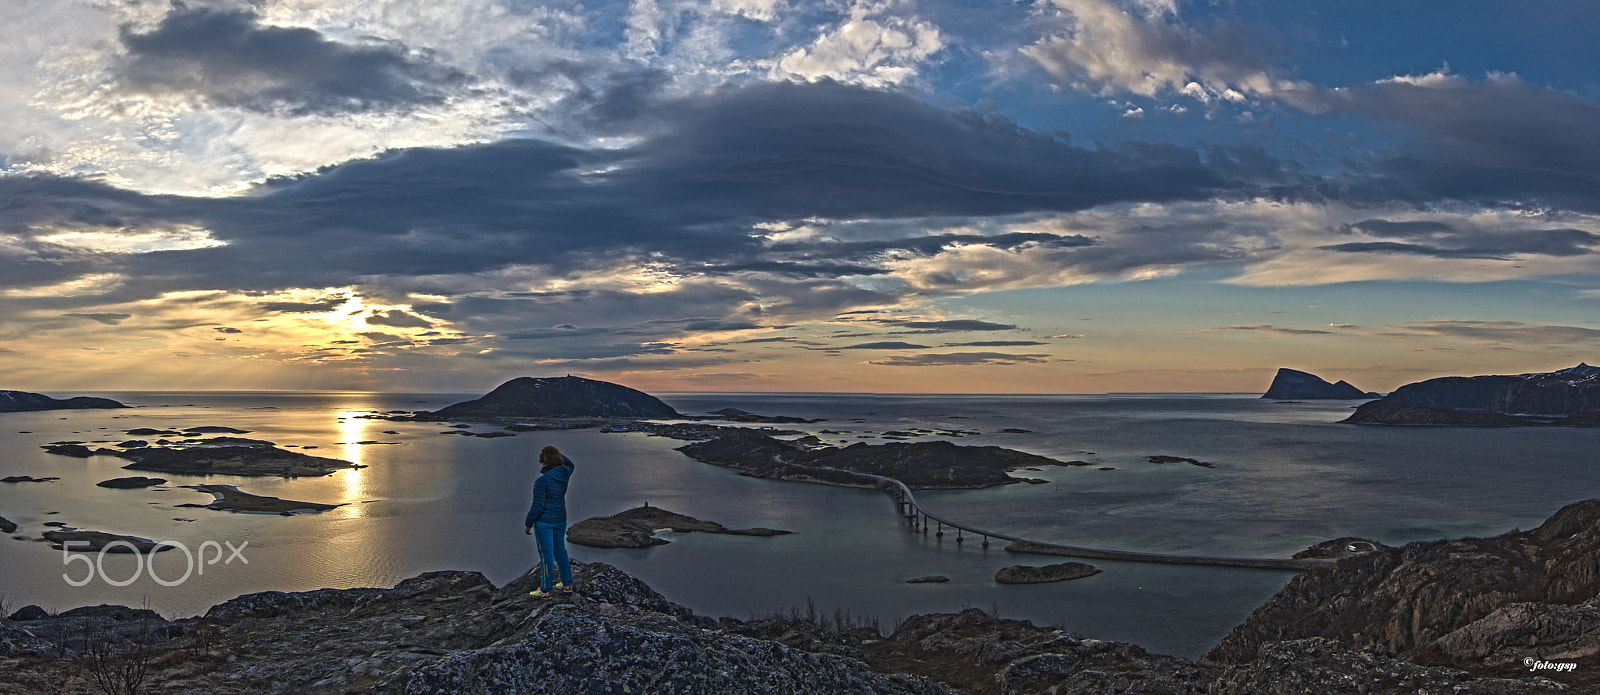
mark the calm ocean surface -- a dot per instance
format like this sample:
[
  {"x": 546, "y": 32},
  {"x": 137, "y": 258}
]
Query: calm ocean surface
[{"x": 1286, "y": 476}]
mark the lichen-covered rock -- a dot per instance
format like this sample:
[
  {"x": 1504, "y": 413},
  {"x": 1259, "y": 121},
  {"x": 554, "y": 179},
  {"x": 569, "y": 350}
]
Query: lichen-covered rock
[
  {"x": 1319, "y": 666},
  {"x": 981, "y": 653},
  {"x": 1407, "y": 598},
  {"x": 1521, "y": 631},
  {"x": 568, "y": 650}
]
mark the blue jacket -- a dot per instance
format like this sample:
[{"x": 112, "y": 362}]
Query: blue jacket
[{"x": 550, "y": 495}]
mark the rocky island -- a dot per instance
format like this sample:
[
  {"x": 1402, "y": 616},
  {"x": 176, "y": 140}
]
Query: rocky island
[
  {"x": 635, "y": 528},
  {"x": 920, "y": 465},
  {"x": 229, "y": 498},
  {"x": 220, "y": 455},
  {"x": 23, "y": 401},
  {"x": 556, "y": 397},
  {"x": 1061, "y": 572},
  {"x": 1294, "y": 384},
  {"x": 1568, "y": 397}
]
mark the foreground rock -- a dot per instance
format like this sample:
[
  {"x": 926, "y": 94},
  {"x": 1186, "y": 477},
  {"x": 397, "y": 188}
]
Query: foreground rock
[
  {"x": 1468, "y": 604},
  {"x": 6, "y": 525},
  {"x": 230, "y": 499},
  {"x": 1319, "y": 666},
  {"x": 454, "y": 632},
  {"x": 23, "y": 401},
  {"x": 1295, "y": 384},
  {"x": 635, "y": 528},
  {"x": 231, "y": 460},
  {"x": 1568, "y": 397},
  {"x": 920, "y": 465},
  {"x": 1024, "y": 574},
  {"x": 557, "y": 397}
]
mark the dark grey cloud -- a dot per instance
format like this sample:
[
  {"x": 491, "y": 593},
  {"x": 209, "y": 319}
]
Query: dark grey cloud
[
  {"x": 948, "y": 326},
  {"x": 107, "y": 319},
  {"x": 1264, "y": 328},
  {"x": 1497, "y": 141},
  {"x": 960, "y": 358},
  {"x": 1394, "y": 247},
  {"x": 1499, "y": 332},
  {"x": 231, "y": 59},
  {"x": 226, "y": 329},
  {"x": 889, "y": 345},
  {"x": 996, "y": 343},
  {"x": 811, "y": 270},
  {"x": 1440, "y": 240}
]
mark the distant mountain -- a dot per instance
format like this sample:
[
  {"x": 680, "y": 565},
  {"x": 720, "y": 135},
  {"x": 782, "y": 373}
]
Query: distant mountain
[
  {"x": 1567, "y": 397},
  {"x": 1293, "y": 383},
  {"x": 565, "y": 396},
  {"x": 22, "y": 401}
]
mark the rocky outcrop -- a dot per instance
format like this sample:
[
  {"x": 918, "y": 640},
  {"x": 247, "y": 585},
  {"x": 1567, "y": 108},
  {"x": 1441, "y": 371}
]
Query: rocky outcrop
[
  {"x": 453, "y": 632},
  {"x": 920, "y": 465},
  {"x": 7, "y": 526},
  {"x": 1567, "y": 397},
  {"x": 1295, "y": 384},
  {"x": 1319, "y": 666},
  {"x": 557, "y": 397},
  {"x": 1025, "y": 574},
  {"x": 1405, "y": 599},
  {"x": 984, "y": 654},
  {"x": 23, "y": 401},
  {"x": 1519, "y": 632},
  {"x": 635, "y": 528}
]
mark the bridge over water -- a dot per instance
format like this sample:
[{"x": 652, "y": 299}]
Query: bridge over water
[{"x": 919, "y": 519}]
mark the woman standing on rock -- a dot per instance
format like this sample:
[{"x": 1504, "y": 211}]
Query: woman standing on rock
[{"x": 548, "y": 516}]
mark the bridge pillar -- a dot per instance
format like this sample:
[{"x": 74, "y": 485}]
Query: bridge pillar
[{"x": 940, "y": 534}]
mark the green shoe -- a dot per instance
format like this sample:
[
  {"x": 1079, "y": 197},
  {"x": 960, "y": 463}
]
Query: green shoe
[
  {"x": 539, "y": 593},
  {"x": 563, "y": 588}
]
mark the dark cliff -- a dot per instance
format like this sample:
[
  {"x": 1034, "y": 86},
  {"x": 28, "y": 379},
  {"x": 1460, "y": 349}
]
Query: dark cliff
[
  {"x": 1567, "y": 397},
  {"x": 23, "y": 401},
  {"x": 1406, "y": 599},
  {"x": 1295, "y": 384},
  {"x": 555, "y": 397}
]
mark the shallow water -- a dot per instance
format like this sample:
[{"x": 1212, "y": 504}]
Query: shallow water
[{"x": 1286, "y": 476}]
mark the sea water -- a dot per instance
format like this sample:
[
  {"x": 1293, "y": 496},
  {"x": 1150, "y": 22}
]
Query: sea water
[{"x": 1285, "y": 476}]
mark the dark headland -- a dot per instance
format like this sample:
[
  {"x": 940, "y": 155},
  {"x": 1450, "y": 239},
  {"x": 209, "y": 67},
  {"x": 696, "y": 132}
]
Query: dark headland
[
  {"x": 1298, "y": 385},
  {"x": 1568, "y": 397},
  {"x": 1462, "y": 617},
  {"x": 23, "y": 401}
]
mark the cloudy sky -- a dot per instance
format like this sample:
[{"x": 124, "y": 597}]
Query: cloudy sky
[{"x": 1072, "y": 196}]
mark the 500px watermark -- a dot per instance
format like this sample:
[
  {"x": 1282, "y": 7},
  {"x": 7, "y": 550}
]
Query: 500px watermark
[
  {"x": 195, "y": 563},
  {"x": 1557, "y": 666}
]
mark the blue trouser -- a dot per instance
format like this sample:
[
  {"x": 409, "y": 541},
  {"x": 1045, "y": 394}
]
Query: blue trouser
[{"x": 552, "y": 540}]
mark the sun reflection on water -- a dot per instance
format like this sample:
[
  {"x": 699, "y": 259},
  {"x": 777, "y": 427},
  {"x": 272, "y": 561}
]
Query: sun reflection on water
[{"x": 352, "y": 484}]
